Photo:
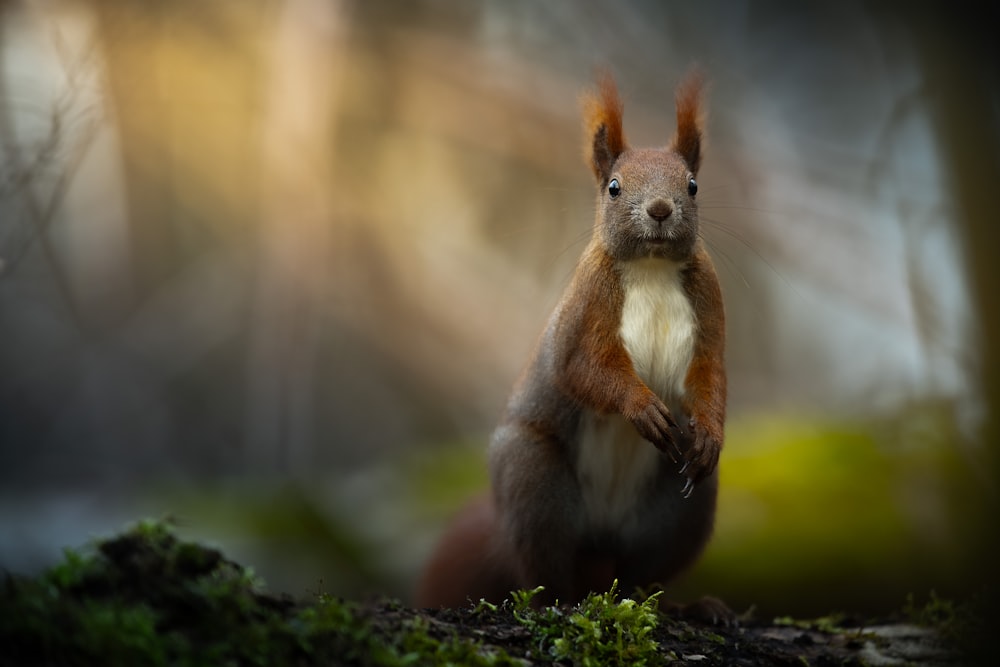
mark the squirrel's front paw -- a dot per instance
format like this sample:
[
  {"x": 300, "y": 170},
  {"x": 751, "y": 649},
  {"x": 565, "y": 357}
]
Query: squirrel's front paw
[
  {"x": 655, "y": 423},
  {"x": 702, "y": 456}
]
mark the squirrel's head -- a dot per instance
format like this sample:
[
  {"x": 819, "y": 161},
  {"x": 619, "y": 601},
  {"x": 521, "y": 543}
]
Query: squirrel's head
[{"x": 646, "y": 197}]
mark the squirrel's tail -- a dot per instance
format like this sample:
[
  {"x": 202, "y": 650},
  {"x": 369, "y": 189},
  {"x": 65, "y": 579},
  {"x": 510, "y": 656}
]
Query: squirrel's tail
[{"x": 464, "y": 567}]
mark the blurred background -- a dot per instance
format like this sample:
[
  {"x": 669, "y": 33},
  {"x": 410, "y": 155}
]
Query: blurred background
[{"x": 271, "y": 267}]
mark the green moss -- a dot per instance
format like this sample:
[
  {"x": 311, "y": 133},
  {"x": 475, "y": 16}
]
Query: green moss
[
  {"x": 936, "y": 612},
  {"x": 830, "y": 624},
  {"x": 146, "y": 597},
  {"x": 417, "y": 646},
  {"x": 601, "y": 630},
  {"x": 963, "y": 624}
]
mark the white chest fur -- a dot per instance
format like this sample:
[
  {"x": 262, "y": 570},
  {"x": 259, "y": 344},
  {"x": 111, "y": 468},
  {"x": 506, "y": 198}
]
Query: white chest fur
[
  {"x": 658, "y": 325},
  {"x": 657, "y": 328}
]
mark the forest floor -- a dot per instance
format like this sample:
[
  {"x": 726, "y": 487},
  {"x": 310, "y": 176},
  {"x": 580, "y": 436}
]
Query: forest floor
[{"x": 146, "y": 597}]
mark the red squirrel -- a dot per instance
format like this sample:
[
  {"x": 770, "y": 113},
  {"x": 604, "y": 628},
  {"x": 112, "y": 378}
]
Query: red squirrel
[{"x": 604, "y": 464}]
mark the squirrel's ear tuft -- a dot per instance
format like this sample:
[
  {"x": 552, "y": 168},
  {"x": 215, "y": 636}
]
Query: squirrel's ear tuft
[
  {"x": 602, "y": 116},
  {"x": 690, "y": 119}
]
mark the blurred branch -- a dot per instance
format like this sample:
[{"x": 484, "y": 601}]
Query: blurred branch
[{"x": 61, "y": 150}]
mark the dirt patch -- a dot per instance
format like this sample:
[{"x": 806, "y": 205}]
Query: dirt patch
[{"x": 146, "y": 597}]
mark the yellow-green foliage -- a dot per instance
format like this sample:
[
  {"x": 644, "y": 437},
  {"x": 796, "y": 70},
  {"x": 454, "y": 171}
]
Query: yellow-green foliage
[
  {"x": 442, "y": 478},
  {"x": 836, "y": 513},
  {"x": 809, "y": 488}
]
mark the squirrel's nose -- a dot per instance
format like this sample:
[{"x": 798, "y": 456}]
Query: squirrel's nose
[{"x": 659, "y": 210}]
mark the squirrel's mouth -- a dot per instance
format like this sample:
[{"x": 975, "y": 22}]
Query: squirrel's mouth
[
  {"x": 657, "y": 246},
  {"x": 672, "y": 243},
  {"x": 660, "y": 237},
  {"x": 661, "y": 234}
]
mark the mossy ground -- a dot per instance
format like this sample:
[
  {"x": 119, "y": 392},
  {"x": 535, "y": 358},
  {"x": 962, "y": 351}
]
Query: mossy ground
[{"x": 146, "y": 597}]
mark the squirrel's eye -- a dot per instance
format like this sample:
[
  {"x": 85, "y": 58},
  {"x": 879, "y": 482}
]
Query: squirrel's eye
[
  {"x": 692, "y": 187},
  {"x": 613, "y": 188}
]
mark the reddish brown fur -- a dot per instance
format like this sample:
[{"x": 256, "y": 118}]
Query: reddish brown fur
[
  {"x": 690, "y": 120},
  {"x": 602, "y": 121},
  {"x": 464, "y": 567},
  {"x": 596, "y": 370},
  {"x": 705, "y": 385}
]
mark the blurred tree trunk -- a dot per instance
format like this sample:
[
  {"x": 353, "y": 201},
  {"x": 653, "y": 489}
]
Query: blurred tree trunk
[
  {"x": 960, "y": 58},
  {"x": 131, "y": 37},
  {"x": 185, "y": 87},
  {"x": 186, "y": 83},
  {"x": 294, "y": 244}
]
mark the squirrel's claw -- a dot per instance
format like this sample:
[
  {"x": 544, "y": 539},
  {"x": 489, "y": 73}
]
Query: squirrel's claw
[
  {"x": 703, "y": 456},
  {"x": 688, "y": 487},
  {"x": 656, "y": 424},
  {"x": 671, "y": 450}
]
